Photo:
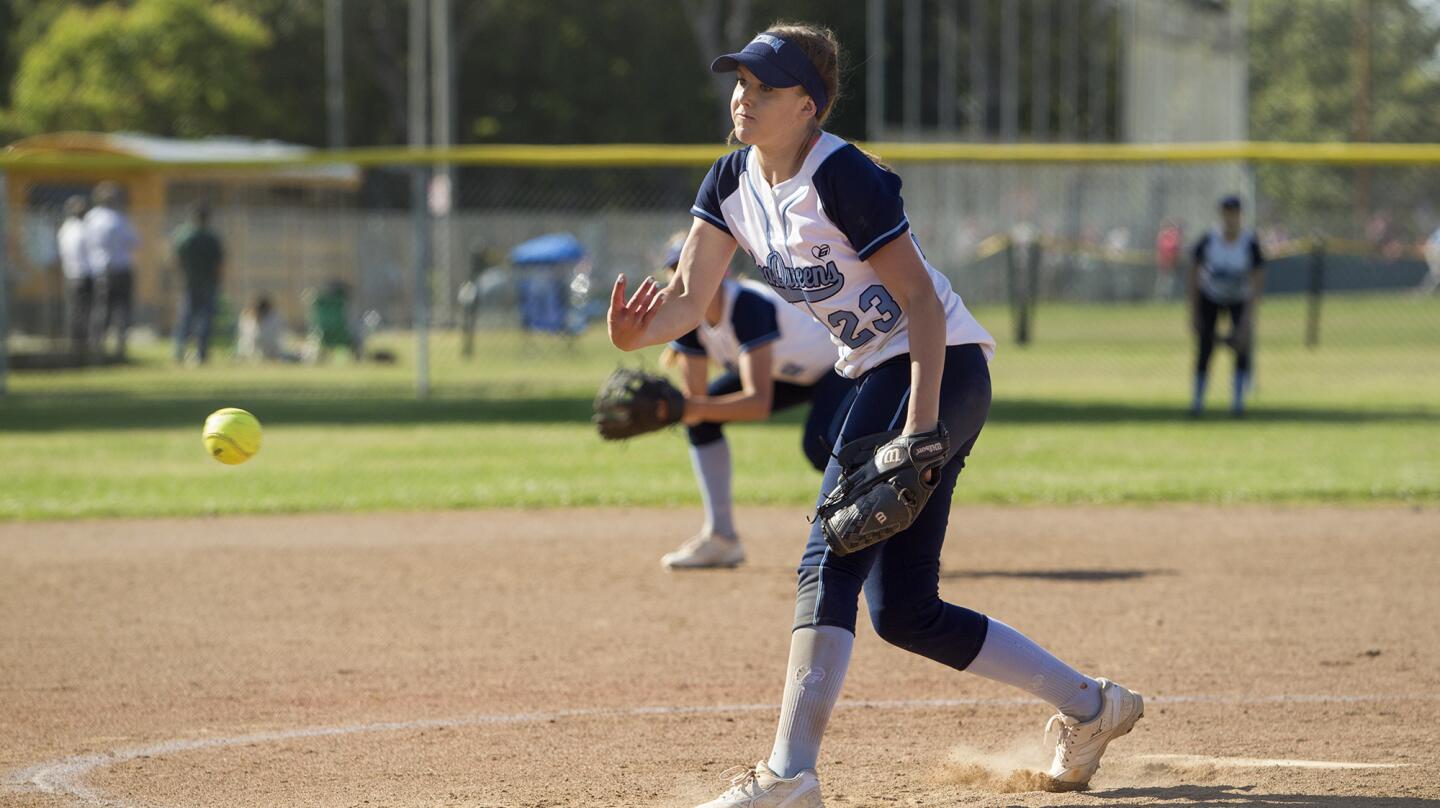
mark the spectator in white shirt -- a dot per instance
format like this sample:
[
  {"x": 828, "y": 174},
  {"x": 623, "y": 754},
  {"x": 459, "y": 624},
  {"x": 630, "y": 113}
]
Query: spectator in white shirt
[
  {"x": 79, "y": 281},
  {"x": 111, "y": 241}
]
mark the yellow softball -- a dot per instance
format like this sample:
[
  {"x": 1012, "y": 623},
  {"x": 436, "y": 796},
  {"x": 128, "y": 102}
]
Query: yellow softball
[{"x": 232, "y": 435}]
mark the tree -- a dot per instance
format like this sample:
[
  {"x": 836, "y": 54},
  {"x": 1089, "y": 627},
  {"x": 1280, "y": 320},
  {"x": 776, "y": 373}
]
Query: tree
[
  {"x": 715, "y": 30},
  {"x": 182, "y": 68},
  {"x": 292, "y": 67},
  {"x": 1308, "y": 71},
  {"x": 558, "y": 71}
]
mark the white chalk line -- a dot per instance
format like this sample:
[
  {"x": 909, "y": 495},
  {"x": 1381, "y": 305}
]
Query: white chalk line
[
  {"x": 66, "y": 776},
  {"x": 1265, "y": 763}
]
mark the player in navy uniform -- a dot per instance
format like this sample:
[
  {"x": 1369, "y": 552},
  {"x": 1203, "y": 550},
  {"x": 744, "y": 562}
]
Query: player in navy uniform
[
  {"x": 1227, "y": 273},
  {"x": 773, "y": 357},
  {"x": 826, "y": 228}
]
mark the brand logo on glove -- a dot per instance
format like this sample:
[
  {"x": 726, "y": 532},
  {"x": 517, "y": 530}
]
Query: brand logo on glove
[
  {"x": 891, "y": 456},
  {"x": 929, "y": 449}
]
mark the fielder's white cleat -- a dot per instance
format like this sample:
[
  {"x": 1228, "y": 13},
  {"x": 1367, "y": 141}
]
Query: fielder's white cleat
[
  {"x": 761, "y": 788},
  {"x": 704, "y": 551},
  {"x": 1077, "y": 753}
]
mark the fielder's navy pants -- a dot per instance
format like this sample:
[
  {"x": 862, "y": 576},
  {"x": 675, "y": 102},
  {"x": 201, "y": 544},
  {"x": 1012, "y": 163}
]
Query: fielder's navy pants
[
  {"x": 828, "y": 397},
  {"x": 901, "y": 575},
  {"x": 1208, "y": 315}
]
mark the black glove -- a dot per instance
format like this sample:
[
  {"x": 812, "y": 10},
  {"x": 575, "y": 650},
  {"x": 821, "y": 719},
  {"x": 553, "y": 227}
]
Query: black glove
[
  {"x": 885, "y": 481},
  {"x": 633, "y": 402}
]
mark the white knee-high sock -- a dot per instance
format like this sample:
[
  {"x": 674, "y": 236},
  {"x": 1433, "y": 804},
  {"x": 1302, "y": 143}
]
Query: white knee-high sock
[
  {"x": 1010, "y": 657},
  {"x": 712, "y": 469},
  {"x": 819, "y": 657}
]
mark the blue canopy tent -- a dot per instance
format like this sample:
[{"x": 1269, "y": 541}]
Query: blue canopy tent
[
  {"x": 555, "y": 248},
  {"x": 544, "y": 288}
]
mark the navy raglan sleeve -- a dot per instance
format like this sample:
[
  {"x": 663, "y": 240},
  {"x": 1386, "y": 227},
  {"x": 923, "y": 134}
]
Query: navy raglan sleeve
[
  {"x": 862, "y": 199},
  {"x": 689, "y": 344},
  {"x": 755, "y": 321},
  {"x": 1257, "y": 258},
  {"x": 718, "y": 185}
]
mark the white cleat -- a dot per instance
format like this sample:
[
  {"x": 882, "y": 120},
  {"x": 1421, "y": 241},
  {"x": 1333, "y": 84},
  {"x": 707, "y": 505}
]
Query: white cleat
[
  {"x": 1077, "y": 753},
  {"x": 761, "y": 788},
  {"x": 706, "y": 550}
]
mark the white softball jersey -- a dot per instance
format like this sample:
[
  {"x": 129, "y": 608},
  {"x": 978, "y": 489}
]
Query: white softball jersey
[
  {"x": 810, "y": 238},
  {"x": 1226, "y": 266},
  {"x": 752, "y": 316}
]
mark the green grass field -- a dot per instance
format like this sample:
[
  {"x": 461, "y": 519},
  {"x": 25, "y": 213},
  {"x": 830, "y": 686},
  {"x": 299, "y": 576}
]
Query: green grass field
[{"x": 1090, "y": 413}]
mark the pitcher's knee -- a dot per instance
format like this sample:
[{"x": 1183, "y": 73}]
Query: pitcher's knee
[
  {"x": 907, "y": 625},
  {"x": 831, "y": 602}
]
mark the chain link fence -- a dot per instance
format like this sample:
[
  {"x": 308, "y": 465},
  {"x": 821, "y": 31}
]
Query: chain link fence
[{"x": 1014, "y": 237}]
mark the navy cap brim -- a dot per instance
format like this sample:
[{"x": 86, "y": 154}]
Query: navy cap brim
[
  {"x": 764, "y": 69},
  {"x": 672, "y": 256}
]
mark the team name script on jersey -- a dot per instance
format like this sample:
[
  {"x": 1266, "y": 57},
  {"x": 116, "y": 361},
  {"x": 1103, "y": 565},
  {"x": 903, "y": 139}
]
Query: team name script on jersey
[{"x": 801, "y": 284}]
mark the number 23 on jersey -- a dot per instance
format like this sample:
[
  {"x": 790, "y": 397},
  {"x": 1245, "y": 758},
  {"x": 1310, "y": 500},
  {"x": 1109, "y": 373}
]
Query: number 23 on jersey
[{"x": 875, "y": 298}]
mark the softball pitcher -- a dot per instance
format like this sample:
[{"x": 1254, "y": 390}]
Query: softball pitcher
[{"x": 827, "y": 230}]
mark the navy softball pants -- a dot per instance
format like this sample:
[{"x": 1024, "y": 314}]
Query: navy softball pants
[
  {"x": 901, "y": 575},
  {"x": 1209, "y": 314},
  {"x": 827, "y": 397}
]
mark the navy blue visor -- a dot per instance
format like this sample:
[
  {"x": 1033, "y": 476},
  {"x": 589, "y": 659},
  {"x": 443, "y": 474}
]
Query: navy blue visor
[
  {"x": 778, "y": 63},
  {"x": 672, "y": 255}
]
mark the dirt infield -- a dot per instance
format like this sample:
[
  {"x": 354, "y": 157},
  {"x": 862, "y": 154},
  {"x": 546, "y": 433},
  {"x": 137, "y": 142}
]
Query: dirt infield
[{"x": 544, "y": 659}]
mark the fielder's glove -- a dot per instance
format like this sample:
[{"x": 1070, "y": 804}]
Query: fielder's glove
[
  {"x": 633, "y": 402},
  {"x": 885, "y": 481}
]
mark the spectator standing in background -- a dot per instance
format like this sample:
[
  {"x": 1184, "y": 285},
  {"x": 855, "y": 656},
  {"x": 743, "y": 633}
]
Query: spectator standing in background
[
  {"x": 79, "y": 281},
  {"x": 200, "y": 255},
  {"x": 111, "y": 241},
  {"x": 469, "y": 299},
  {"x": 1167, "y": 258}
]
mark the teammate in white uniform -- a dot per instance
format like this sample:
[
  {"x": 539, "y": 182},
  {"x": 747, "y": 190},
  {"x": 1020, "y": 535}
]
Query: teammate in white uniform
[
  {"x": 1228, "y": 272},
  {"x": 827, "y": 229},
  {"x": 773, "y": 357}
]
